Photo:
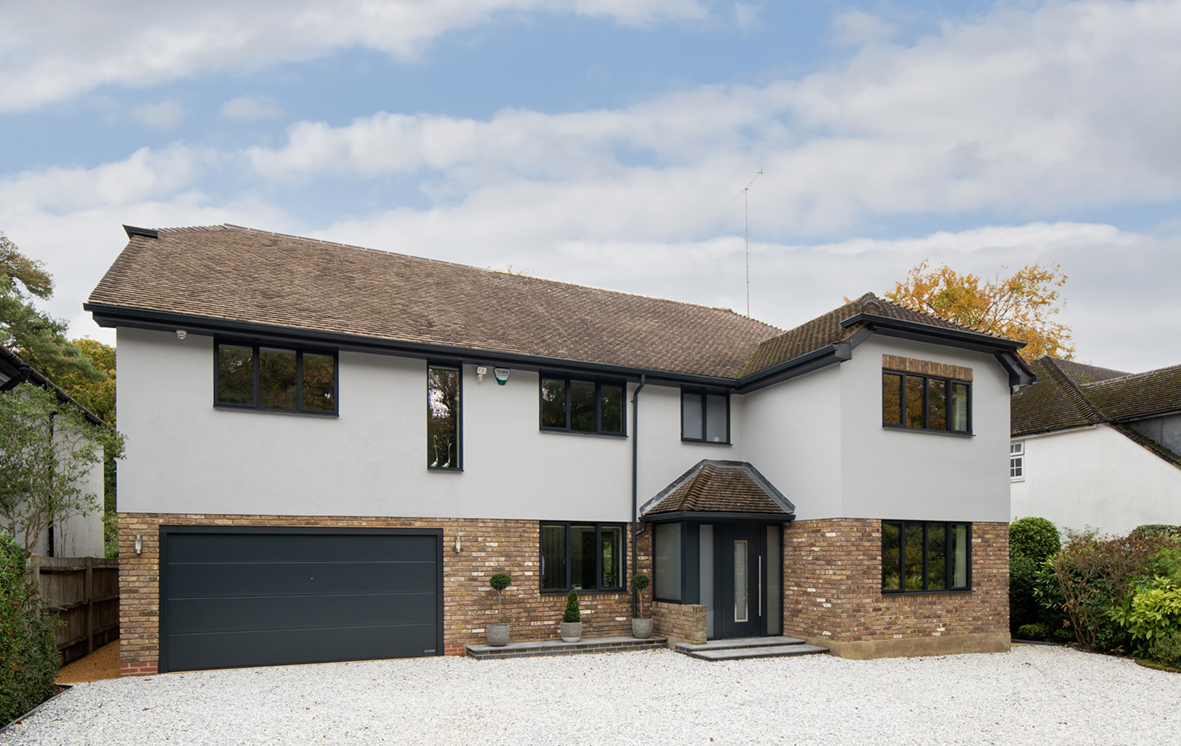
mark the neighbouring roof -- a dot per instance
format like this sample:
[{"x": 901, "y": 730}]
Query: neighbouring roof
[
  {"x": 720, "y": 487},
  {"x": 1138, "y": 395},
  {"x": 228, "y": 279},
  {"x": 15, "y": 371}
]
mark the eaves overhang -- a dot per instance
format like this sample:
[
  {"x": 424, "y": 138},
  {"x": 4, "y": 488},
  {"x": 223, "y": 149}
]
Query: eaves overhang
[
  {"x": 16, "y": 371},
  {"x": 718, "y": 517}
]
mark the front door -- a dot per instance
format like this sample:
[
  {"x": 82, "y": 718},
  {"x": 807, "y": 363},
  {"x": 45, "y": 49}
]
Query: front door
[{"x": 740, "y": 606}]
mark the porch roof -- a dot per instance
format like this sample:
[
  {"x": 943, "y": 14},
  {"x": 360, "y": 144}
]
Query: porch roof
[{"x": 721, "y": 489}]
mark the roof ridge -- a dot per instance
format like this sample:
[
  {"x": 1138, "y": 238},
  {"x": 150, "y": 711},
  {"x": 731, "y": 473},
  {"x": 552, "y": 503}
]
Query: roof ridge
[
  {"x": 1131, "y": 376},
  {"x": 1088, "y": 408}
]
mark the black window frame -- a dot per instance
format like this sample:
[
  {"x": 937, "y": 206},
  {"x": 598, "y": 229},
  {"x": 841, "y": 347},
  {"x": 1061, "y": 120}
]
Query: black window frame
[
  {"x": 598, "y": 383},
  {"x": 599, "y": 526},
  {"x": 458, "y": 368},
  {"x": 705, "y": 416},
  {"x": 299, "y": 351},
  {"x": 948, "y": 527},
  {"x": 949, "y": 384}
]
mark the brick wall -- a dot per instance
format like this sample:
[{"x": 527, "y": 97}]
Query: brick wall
[
  {"x": 679, "y": 621},
  {"x": 487, "y": 547},
  {"x": 832, "y": 573}
]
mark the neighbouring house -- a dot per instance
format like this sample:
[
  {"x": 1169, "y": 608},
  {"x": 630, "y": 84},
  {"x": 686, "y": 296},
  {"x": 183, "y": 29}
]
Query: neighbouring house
[
  {"x": 79, "y": 534},
  {"x": 331, "y": 449},
  {"x": 1094, "y": 448}
]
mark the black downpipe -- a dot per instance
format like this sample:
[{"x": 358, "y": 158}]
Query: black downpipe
[{"x": 636, "y": 531}]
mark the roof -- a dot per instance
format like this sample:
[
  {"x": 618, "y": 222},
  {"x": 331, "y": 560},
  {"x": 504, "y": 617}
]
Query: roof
[
  {"x": 15, "y": 371},
  {"x": 1138, "y": 395},
  {"x": 720, "y": 487},
  {"x": 228, "y": 280}
]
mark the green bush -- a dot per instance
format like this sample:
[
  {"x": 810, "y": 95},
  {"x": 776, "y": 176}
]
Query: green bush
[
  {"x": 29, "y": 659},
  {"x": 572, "y": 613},
  {"x": 1151, "y": 613},
  {"x": 1035, "y": 631},
  {"x": 1036, "y": 538},
  {"x": 1166, "y": 649},
  {"x": 1156, "y": 530},
  {"x": 1024, "y": 608},
  {"x": 1167, "y": 563}
]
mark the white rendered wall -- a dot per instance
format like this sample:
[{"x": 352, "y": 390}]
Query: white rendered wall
[
  {"x": 915, "y": 474},
  {"x": 1096, "y": 478},
  {"x": 185, "y": 456},
  {"x": 80, "y": 535},
  {"x": 792, "y": 435}
]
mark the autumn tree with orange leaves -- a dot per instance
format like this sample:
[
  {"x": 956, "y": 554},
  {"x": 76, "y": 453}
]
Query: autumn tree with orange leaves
[{"x": 1022, "y": 306}]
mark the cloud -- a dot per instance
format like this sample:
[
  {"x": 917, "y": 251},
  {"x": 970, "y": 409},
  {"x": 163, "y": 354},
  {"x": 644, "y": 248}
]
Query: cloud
[
  {"x": 856, "y": 28},
  {"x": 251, "y": 107},
  {"x": 746, "y": 16},
  {"x": 163, "y": 116},
  {"x": 81, "y": 45}
]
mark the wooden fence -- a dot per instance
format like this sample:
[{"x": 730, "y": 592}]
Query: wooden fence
[{"x": 84, "y": 591}]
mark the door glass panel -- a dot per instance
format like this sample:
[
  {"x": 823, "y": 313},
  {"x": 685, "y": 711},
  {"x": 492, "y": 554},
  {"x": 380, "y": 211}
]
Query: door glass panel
[
  {"x": 715, "y": 419},
  {"x": 691, "y": 416},
  {"x": 741, "y": 613},
  {"x": 582, "y": 557},
  {"x": 553, "y": 558},
  {"x": 611, "y": 554},
  {"x": 582, "y": 406},
  {"x": 667, "y": 583}
]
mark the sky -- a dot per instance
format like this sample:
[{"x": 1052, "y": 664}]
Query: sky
[{"x": 608, "y": 143}]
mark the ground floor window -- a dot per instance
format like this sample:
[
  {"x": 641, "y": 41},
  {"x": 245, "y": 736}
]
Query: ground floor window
[
  {"x": 920, "y": 556},
  {"x": 582, "y": 556}
]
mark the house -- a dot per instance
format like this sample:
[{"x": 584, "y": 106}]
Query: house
[
  {"x": 1097, "y": 448},
  {"x": 79, "y": 535},
  {"x": 331, "y": 449}
]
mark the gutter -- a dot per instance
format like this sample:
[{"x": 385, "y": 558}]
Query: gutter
[{"x": 636, "y": 531}]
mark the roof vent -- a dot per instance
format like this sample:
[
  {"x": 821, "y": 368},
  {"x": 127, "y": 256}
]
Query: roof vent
[{"x": 132, "y": 231}]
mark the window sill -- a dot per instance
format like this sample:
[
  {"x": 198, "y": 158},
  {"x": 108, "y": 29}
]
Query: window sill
[
  {"x": 585, "y": 591},
  {"x": 952, "y": 433},
  {"x": 288, "y": 412},
  {"x": 444, "y": 470},
  {"x": 706, "y": 442},
  {"x": 1016, "y": 479},
  {"x": 554, "y": 431},
  {"x": 958, "y": 591}
]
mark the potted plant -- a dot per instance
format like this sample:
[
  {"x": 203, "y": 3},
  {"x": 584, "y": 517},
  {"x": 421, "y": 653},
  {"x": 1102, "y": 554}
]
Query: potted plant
[
  {"x": 641, "y": 628},
  {"x": 498, "y": 633},
  {"x": 572, "y": 620}
]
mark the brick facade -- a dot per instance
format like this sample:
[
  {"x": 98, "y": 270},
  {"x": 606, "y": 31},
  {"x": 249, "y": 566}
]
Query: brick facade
[
  {"x": 681, "y": 622},
  {"x": 486, "y": 548},
  {"x": 832, "y": 572}
]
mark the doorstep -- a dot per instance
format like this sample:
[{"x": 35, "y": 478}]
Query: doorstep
[{"x": 557, "y": 647}]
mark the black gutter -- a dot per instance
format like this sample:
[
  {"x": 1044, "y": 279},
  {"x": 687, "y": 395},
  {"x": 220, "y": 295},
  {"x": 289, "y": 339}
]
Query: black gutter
[
  {"x": 636, "y": 481},
  {"x": 23, "y": 372},
  {"x": 978, "y": 340},
  {"x": 689, "y": 515}
]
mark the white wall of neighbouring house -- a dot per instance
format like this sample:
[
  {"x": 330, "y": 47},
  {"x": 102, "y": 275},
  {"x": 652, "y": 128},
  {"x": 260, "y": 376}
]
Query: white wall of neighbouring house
[
  {"x": 1095, "y": 477},
  {"x": 186, "y": 456},
  {"x": 80, "y": 535},
  {"x": 916, "y": 474}
]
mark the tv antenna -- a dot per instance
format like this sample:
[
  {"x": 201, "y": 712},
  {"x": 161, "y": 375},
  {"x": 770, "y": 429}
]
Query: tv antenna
[{"x": 746, "y": 221}]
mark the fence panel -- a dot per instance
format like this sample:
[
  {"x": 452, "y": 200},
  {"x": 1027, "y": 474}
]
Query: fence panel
[{"x": 84, "y": 592}]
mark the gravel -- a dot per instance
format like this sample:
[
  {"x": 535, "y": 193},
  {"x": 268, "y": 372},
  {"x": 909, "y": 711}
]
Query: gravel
[{"x": 1032, "y": 695}]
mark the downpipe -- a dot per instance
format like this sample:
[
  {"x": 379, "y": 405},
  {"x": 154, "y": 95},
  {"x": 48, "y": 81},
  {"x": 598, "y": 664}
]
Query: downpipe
[{"x": 636, "y": 529}]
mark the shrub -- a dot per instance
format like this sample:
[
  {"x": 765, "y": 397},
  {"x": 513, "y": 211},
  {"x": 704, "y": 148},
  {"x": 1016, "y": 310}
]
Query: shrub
[
  {"x": 1166, "y": 649},
  {"x": 1151, "y": 613},
  {"x": 639, "y": 583},
  {"x": 499, "y": 582},
  {"x": 1167, "y": 563},
  {"x": 1156, "y": 531},
  {"x": 1024, "y": 608},
  {"x": 572, "y": 613},
  {"x": 1035, "y": 631},
  {"x": 1036, "y": 538},
  {"x": 29, "y": 659}
]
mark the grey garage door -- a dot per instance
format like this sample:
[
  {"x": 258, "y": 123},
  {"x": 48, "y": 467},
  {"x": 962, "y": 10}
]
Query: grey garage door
[{"x": 262, "y": 597}]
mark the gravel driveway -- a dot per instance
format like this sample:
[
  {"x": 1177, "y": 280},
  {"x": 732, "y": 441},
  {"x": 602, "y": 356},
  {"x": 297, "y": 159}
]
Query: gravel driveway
[{"x": 1033, "y": 695}]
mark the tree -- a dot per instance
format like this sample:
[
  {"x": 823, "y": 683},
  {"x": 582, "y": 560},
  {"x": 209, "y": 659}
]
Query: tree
[
  {"x": 35, "y": 336},
  {"x": 47, "y": 448},
  {"x": 1021, "y": 306}
]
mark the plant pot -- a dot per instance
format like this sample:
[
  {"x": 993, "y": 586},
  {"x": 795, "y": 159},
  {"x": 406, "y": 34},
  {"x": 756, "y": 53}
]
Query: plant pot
[
  {"x": 641, "y": 628},
  {"x": 571, "y": 631},
  {"x": 497, "y": 634}
]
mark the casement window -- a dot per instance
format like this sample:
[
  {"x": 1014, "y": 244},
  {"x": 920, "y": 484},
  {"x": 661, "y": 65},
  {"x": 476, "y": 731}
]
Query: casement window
[
  {"x": 573, "y": 406},
  {"x": 924, "y": 556},
  {"x": 275, "y": 379},
  {"x": 444, "y": 421},
  {"x": 1017, "y": 461},
  {"x": 920, "y": 402},
  {"x": 705, "y": 418},
  {"x": 582, "y": 556}
]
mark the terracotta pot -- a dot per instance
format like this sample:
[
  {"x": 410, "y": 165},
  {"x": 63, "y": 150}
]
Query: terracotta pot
[{"x": 571, "y": 631}]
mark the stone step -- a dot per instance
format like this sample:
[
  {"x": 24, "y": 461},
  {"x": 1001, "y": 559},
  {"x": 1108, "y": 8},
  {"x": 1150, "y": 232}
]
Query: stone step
[
  {"x": 755, "y": 651},
  {"x": 739, "y": 642},
  {"x": 538, "y": 648}
]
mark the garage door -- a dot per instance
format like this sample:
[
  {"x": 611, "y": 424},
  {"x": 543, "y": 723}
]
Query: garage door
[{"x": 262, "y": 597}]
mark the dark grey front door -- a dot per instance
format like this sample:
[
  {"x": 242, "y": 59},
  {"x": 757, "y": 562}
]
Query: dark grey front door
[
  {"x": 740, "y": 607},
  {"x": 262, "y": 597}
]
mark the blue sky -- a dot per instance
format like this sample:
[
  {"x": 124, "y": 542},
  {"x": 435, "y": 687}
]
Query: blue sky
[{"x": 604, "y": 141}]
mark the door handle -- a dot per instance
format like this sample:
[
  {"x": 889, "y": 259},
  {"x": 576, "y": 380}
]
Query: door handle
[{"x": 760, "y": 586}]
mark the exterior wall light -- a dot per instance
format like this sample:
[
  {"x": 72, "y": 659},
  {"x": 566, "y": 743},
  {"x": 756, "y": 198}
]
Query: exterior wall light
[
  {"x": 457, "y": 543},
  {"x": 480, "y": 373},
  {"x": 501, "y": 375},
  {"x": 139, "y": 544}
]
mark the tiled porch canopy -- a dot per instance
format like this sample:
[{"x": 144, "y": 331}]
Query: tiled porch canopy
[{"x": 719, "y": 490}]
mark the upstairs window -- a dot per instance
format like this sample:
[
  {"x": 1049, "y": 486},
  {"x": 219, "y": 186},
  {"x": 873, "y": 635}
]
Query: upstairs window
[
  {"x": 705, "y": 418},
  {"x": 274, "y": 379},
  {"x": 574, "y": 406},
  {"x": 444, "y": 433},
  {"x": 1017, "y": 461},
  {"x": 925, "y": 402}
]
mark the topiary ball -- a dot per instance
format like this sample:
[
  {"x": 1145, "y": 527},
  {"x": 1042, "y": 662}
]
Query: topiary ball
[
  {"x": 639, "y": 582},
  {"x": 1036, "y": 538},
  {"x": 500, "y": 581}
]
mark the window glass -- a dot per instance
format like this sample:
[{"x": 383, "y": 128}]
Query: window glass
[
  {"x": 611, "y": 549},
  {"x": 319, "y": 382},
  {"x": 235, "y": 374},
  {"x": 914, "y": 401},
  {"x": 582, "y": 557},
  {"x": 936, "y": 557},
  {"x": 912, "y": 569},
  {"x": 553, "y": 558},
  {"x": 715, "y": 419},
  {"x": 442, "y": 427},
  {"x": 959, "y": 407},
  {"x": 667, "y": 580},
  {"x": 891, "y": 556},
  {"x": 611, "y": 408},
  {"x": 553, "y": 402},
  {"x": 959, "y": 555},
  {"x": 1016, "y": 461},
  {"x": 582, "y": 406},
  {"x": 937, "y": 404},
  {"x": 692, "y": 417},
  {"x": 276, "y": 378},
  {"x": 891, "y": 399}
]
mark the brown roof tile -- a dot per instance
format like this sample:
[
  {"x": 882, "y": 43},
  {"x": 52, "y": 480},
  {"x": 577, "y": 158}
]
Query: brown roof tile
[
  {"x": 720, "y": 487},
  {"x": 1137, "y": 395},
  {"x": 1054, "y": 402},
  {"x": 243, "y": 275}
]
